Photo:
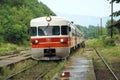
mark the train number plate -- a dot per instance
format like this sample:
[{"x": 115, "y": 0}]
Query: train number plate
[{"x": 49, "y": 52}]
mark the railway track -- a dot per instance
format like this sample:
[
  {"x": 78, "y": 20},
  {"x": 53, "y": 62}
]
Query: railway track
[
  {"x": 25, "y": 69},
  {"x": 13, "y": 75},
  {"x": 35, "y": 71},
  {"x": 9, "y": 61},
  {"x": 106, "y": 64},
  {"x": 22, "y": 66},
  {"x": 14, "y": 54}
]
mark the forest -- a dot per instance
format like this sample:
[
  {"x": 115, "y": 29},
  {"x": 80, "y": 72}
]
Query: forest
[{"x": 15, "y": 16}]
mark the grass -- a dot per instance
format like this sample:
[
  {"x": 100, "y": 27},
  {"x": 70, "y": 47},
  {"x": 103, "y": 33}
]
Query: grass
[
  {"x": 110, "y": 53},
  {"x": 55, "y": 70},
  {"x": 12, "y": 69},
  {"x": 6, "y": 48},
  {"x": 33, "y": 72},
  {"x": 79, "y": 52}
]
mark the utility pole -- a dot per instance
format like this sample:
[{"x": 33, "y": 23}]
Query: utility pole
[
  {"x": 98, "y": 30},
  {"x": 101, "y": 25},
  {"x": 111, "y": 18}
]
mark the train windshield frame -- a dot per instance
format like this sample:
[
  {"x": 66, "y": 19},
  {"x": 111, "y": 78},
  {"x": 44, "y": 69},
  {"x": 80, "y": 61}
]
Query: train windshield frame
[{"x": 49, "y": 30}]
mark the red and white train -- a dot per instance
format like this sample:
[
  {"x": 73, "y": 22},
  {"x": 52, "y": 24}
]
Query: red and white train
[{"x": 53, "y": 38}]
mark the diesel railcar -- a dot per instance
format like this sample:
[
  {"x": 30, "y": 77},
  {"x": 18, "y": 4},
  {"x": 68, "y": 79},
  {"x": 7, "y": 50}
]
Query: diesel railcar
[{"x": 53, "y": 38}]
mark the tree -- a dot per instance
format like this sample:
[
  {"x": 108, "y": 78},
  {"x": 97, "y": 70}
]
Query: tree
[
  {"x": 90, "y": 31},
  {"x": 15, "y": 16},
  {"x": 117, "y": 1},
  {"x": 117, "y": 13},
  {"x": 109, "y": 29}
]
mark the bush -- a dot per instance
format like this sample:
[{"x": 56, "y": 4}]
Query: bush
[
  {"x": 115, "y": 37},
  {"x": 109, "y": 42},
  {"x": 1, "y": 41}
]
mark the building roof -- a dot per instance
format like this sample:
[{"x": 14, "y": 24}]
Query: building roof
[{"x": 115, "y": 24}]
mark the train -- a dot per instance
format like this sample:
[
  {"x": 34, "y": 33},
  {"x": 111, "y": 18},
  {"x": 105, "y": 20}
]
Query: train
[{"x": 54, "y": 38}]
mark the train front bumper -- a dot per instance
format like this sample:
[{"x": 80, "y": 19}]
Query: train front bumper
[{"x": 50, "y": 53}]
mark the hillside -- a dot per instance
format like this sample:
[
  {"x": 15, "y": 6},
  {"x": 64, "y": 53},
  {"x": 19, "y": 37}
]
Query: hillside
[{"x": 15, "y": 16}]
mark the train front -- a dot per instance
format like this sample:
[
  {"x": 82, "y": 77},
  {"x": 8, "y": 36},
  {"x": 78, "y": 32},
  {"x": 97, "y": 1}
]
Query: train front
[{"x": 49, "y": 38}]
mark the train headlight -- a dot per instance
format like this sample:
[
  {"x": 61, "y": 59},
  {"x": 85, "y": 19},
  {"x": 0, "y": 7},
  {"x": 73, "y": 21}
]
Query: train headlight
[
  {"x": 36, "y": 41},
  {"x": 65, "y": 74},
  {"x": 61, "y": 40}
]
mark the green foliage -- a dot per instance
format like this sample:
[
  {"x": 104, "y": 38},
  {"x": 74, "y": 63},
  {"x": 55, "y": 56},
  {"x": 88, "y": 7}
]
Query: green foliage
[
  {"x": 55, "y": 70},
  {"x": 109, "y": 42},
  {"x": 12, "y": 3},
  {"x": 117, "y": 1},
  {"x": 15, "y": 16},
  {"x": 94, "y": 43},
  {"x": 111, "y": 54},
  {"x": 83, "y": 30},
  {"x": 115, "y": 37},
  {"x": 1, "y": 34},
  {"x": 91, "y": 31},
  {"x": 105, "y": 41},
  {"x": 116, "y": 13},
  {"x": 115, "y": 31},
  {"x": 102, "y": 41}
]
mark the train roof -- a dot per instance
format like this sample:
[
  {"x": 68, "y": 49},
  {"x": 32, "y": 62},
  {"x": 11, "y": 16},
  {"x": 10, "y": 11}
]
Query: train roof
[{"x": 55, "y": 20}]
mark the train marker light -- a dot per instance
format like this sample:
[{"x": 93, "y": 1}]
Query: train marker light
[{"x": 48, "y": 18}]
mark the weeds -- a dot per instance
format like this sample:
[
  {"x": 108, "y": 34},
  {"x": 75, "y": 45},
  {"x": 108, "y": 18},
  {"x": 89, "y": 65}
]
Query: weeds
[
  {"x": 6, "y": 48},
  {"x": 8, "y": 70},
  {"x": 55, "y": 70},
  {"x": 110, "y": 53}
]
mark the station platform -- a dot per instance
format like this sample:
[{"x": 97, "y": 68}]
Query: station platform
[
  {"x": 77, "y": 68},
  {"x": 12, "y": 60}
]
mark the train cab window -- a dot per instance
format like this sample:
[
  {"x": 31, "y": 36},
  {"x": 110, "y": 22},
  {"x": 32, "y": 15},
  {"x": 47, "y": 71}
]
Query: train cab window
[
  {"x": 33, "y": 31},
  {"x": 64, "y": 30},
  {"x": 40, "y": 32}
]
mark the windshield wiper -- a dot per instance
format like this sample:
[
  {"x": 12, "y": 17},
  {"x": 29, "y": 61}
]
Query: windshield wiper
[{"x": 46, "y": 28}]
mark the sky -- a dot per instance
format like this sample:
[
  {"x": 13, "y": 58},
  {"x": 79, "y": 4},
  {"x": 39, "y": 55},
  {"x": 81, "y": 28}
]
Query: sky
[{"x": 74, "y": 8}]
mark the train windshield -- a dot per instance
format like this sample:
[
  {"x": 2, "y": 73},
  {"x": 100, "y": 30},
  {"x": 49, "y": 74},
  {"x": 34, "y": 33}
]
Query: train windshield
[{"x": 48, "y": 30}]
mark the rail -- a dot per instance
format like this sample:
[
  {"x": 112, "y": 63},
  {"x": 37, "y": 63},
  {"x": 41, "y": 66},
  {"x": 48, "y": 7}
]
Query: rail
[
  {"x": 106, "y": 63},
  {"x": 38, "y": 75},
  {"x": 41, "y": 75},
  {"x": 14, "y": 54},
  {"x": 11, "y": 76}
]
